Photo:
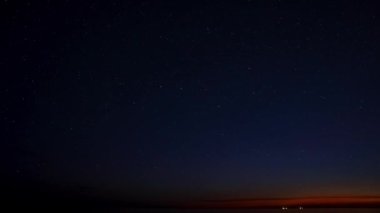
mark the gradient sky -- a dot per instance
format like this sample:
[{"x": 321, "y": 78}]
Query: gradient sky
[{"x": 156, "y": 100}]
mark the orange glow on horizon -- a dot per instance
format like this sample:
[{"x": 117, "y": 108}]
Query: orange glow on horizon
[{"x": 365, "y": 201}]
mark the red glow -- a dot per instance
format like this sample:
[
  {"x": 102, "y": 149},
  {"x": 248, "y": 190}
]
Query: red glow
[{"x": 293, "y": 202}]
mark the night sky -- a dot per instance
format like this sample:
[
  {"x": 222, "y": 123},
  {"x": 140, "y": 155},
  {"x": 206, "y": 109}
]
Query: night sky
[{"x": 191, "y": 100}]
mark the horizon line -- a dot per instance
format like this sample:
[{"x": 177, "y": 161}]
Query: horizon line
[{"x": 312, "y": 201}]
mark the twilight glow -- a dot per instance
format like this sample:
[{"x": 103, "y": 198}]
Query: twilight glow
[{"x": 225, "y": 104}]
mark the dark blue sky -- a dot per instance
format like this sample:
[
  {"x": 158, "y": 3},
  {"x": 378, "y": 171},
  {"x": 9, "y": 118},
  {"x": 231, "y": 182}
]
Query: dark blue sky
[{"x": 192, "y": 100}]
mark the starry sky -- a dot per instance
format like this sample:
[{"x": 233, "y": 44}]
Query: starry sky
[{"x": 191, "y": 100}]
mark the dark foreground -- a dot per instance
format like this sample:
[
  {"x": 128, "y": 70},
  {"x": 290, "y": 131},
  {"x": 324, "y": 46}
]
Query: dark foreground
[
  {"x": 319, "y": 210},
  {"x": 36, "y": 197}
]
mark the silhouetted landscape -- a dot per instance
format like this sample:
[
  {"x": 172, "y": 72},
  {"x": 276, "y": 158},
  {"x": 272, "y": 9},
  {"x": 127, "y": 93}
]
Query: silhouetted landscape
[{"x": 37, "y": 196}]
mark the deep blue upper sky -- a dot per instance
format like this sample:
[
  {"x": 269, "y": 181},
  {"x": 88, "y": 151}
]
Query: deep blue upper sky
[{"x": 192, "y": 100}]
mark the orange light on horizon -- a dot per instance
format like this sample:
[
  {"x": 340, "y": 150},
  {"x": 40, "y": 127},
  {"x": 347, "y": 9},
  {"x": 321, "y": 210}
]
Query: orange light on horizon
[{"x": 365, "y": 201}]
